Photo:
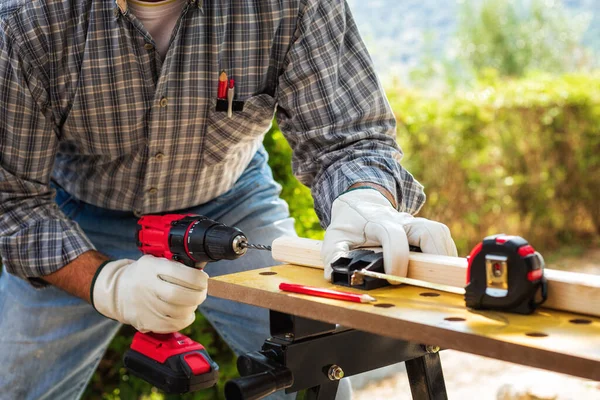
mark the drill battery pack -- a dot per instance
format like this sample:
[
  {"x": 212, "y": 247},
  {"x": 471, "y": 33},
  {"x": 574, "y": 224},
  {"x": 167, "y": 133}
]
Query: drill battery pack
[{"x": 172, "y": 362}]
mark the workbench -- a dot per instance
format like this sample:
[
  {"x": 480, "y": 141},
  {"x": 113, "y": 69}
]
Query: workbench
[{"x": 552, "y": 340}]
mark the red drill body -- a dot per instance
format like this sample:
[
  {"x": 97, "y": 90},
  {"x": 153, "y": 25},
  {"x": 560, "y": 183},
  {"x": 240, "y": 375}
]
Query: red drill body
[
  {"x": 173, "y": 362},
  {"x": 153, "y": 234},
  {"x": 190, "y": 239}
]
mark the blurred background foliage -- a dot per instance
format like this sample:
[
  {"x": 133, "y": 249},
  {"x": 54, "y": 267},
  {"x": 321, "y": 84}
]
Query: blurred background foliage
[
  {"x": 508, "y": 38},
  {"x": 504, "y": 134},
  {"x": 515, "y": 37},
  {"x": 519, "y": 156}
]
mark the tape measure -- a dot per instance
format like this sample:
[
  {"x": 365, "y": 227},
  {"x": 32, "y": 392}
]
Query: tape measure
[{"x": 505, "y": 273}]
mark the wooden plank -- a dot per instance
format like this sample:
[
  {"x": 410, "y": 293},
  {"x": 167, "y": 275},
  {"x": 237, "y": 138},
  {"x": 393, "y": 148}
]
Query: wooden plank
[
  {"x": 567, "y": 291},
  {"x": 561, "y": 342}
]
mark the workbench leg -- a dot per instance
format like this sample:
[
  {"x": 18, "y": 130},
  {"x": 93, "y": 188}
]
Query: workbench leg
[
  {"x": 326, "y": 391},
  {"x": 426, "y": 378}
]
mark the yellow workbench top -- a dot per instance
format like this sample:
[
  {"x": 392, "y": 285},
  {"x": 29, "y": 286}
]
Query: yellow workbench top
[{"x": 552, "y": 340}]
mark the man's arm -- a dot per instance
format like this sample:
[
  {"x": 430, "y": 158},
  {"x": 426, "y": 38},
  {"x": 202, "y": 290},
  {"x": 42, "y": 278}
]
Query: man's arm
[
  {"x": 76, "y": 277},
  {"x": 38, "y": 242},
  {"x": 334, "y": 113},
  {"x": 36, "y": 238}
]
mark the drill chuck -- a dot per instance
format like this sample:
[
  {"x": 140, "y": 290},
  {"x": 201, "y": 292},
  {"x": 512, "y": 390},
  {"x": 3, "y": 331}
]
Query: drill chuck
[
  {"x": 208, "y": 240},
  {"x": 240, "y": 245}
]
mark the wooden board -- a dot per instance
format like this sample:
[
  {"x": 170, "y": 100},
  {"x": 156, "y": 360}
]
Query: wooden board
[
  {"x": 567, "y": 291},
  {"x": 552, "y": 340}
]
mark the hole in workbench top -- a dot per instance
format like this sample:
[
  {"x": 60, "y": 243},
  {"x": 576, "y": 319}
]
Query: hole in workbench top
[
  {"x": 536, "y": 334},
  {"x": 268, "y": 273},
  {"x": 580, "y": 321},
  {"x": 429, "y": 294},
  {"x": 384, "y": 305},
  {"x": 455, "y": 319}
]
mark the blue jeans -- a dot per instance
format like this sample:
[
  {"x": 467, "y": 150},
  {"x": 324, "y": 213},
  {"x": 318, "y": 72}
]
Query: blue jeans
[{"x": 51, "y": 342}]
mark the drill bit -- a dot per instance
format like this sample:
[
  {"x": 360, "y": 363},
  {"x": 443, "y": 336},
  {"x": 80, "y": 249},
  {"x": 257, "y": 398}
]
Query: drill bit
[{"x": 255, "y": 246}]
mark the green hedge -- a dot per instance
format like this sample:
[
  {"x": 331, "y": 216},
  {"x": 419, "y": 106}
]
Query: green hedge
[
  {"x": 519, "y": 156},
  {"x": 296, "y": 194}
]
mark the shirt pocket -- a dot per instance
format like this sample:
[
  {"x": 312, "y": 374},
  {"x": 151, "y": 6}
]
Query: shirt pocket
[{"x": 226, "y": 137}]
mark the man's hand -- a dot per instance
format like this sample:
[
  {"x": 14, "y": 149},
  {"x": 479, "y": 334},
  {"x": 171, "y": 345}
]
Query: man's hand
[
  {"x": 152, "y": 294},
  {"x": 365, "y": 218}
]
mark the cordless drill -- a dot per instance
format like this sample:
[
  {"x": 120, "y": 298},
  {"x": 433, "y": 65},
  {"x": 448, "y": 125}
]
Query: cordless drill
[{"x": 173, "y": 362}]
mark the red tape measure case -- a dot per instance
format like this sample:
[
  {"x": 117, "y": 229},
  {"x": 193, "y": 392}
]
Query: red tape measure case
[{"x": 505, "y": 273}]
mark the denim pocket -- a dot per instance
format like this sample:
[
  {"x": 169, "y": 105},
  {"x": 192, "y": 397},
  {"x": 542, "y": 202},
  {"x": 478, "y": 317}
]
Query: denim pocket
[{"x": 66, "y": 202}]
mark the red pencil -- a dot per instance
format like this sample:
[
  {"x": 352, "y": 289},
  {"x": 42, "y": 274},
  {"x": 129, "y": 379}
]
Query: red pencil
[
  {"x": 222, "y": 90},
  {"x": 329, "y": 293}
]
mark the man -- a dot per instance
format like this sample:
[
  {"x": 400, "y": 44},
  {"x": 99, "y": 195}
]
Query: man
[{"x": 113, "y": 107}]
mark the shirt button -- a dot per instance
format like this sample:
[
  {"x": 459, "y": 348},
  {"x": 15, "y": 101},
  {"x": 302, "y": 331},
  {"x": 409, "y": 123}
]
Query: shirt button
[
  {"x": 159, "y": 156},
  {"x": 148, "y": 46},
  {"x": 152, "y": 190},
  {"x": 137, "y": 213},
  {"x": 163, "y": 102}
]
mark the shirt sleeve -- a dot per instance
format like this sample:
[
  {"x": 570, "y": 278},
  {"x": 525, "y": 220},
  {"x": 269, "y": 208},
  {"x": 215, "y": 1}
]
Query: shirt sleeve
[
  {"x": 36, "y": 238},
  {"x": 334, "y": 113}
]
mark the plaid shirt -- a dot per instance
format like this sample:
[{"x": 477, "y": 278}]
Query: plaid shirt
[{"x": 85, "y": 98}]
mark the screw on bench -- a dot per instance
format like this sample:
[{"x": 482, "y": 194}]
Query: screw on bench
[
  {"x": 335, "y": 373},
  {"x": 431, "y": 348}
]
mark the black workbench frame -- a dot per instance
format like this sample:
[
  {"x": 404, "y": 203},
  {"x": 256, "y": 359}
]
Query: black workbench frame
[{"x": 302, "y": 352}]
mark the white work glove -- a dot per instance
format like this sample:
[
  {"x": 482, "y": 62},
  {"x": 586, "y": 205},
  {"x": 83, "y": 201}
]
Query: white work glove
[
  {"x": 365, "y": 218},
  {"x": 151, "y": 294}
]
